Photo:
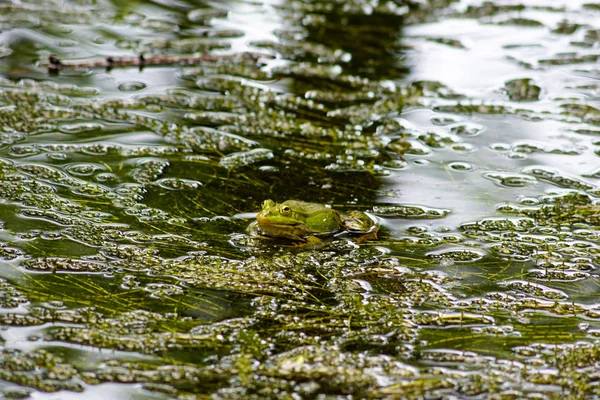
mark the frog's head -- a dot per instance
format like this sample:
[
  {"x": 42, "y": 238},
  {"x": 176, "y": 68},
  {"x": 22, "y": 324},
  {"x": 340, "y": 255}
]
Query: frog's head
[
  {"x": 281, "y": 221},
  {"x": 277, "y": 214}
]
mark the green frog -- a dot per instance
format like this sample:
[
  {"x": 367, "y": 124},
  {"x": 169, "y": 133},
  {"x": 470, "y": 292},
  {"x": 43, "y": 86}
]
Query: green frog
[{"x": 306, "y": 222}]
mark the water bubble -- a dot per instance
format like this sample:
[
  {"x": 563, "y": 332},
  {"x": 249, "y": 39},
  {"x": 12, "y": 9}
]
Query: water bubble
[
  {"x": 535, "y": 289},
  {"x": 131, "y": 86},
  {"x": 442, "y": 120},
  {"x": 395, "y": 164},
  {"x": 409, "y": 211},
  {"x": 57, "y": 156},
  {"x": 417, "y": 229},
  {"x": 463, "y": 147},
  {"x": 179, "y": 184},
  {"x": 24, "y": 150},
  {"x": 467, "y": 129},
  {"x": 84, "y": 169},
  {"x": 106, "y": 177},
  {"x": 457, "y": 255},
  {"x": 516, "y": 156},
  {"x": 96, "y": 149},
  {"x": 67, "y": 43},
  {"x": 461, "y": 166},
  {"x": 510, "y": 180},
  {"x": 80, "y": 127},
  {"x": 500, "y": 146},
  {"x": 529, "y": 201}
]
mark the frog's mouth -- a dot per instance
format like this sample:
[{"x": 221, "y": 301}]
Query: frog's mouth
[{"x": 264, "y": 221}]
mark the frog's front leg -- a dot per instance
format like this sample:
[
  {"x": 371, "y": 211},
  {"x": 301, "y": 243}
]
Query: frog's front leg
[
  {"x": 360, "y": 223},
  {"x": 368, "y": 236},
  {"x": 357, "y": 221},
  {"x": 312, "y": 242}
]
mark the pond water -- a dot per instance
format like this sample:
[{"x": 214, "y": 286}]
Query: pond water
[{"x": 469, "y": 129}]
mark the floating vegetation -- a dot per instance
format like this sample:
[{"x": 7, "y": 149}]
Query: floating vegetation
[
  {"x": 522, "y": 90},
  {"x": 489, "y": 8},
  {"x": 448, "y": 42},
  {"x": 521, "y": 22},
  {"x": 462, "y": 108},
  {"x": 565, "y": 59},
  {"x": 409, "y": 211},
  {"x": 512, "y": 180},
  {"x": 566, "y": 28},
  {"x": 129, "y": 176}
]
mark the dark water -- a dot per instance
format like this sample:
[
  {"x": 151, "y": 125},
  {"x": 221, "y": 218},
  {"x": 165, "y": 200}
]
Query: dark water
[{"x": 468, "y": 128}]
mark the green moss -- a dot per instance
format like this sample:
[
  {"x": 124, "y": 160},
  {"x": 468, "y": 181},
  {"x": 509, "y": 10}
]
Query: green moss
[
  {"x": 448, "y": 42},
  {"x": 488, "y": 9},
  {"x": 566, "y": 28},
  {"x": 521, "y": 22},
  {"x": 522, "y": 90}
]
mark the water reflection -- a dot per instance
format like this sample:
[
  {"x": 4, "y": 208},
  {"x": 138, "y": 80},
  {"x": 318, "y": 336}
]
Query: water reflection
[{"x": 370, "y": 36}]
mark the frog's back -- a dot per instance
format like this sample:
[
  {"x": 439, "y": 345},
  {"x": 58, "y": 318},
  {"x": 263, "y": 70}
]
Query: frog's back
[
  {"x": 304, "y": 207},
  {"x": 318, "y": 218}
]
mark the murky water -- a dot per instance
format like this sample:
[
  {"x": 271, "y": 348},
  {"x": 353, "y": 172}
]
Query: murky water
[{"x": 468, "y": 129}]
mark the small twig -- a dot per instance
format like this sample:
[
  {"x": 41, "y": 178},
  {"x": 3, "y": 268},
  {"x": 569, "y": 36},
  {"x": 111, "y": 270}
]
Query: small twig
[{"x": 55, "y": 65}]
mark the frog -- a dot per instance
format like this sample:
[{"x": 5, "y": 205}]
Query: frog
[{"x": 305, "y": 222}]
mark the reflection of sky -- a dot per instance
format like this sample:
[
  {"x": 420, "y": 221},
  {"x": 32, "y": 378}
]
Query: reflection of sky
[
  {"x": 479, "y": 72},
  {"x": 471, "y": 194},
  {"x": 485, "y": 64},
  {"x": 258, "y": 21}
]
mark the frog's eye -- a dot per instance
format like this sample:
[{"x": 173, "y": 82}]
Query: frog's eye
[
  {"x": 267, "y": 204},
  {"x": 285, "y": 210}
]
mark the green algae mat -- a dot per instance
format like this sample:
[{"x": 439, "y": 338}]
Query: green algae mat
[{"x": 138, "y": 140}]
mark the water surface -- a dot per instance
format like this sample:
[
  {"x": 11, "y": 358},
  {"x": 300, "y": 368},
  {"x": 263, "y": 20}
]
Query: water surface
[{"x": 469, "y": 129}]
